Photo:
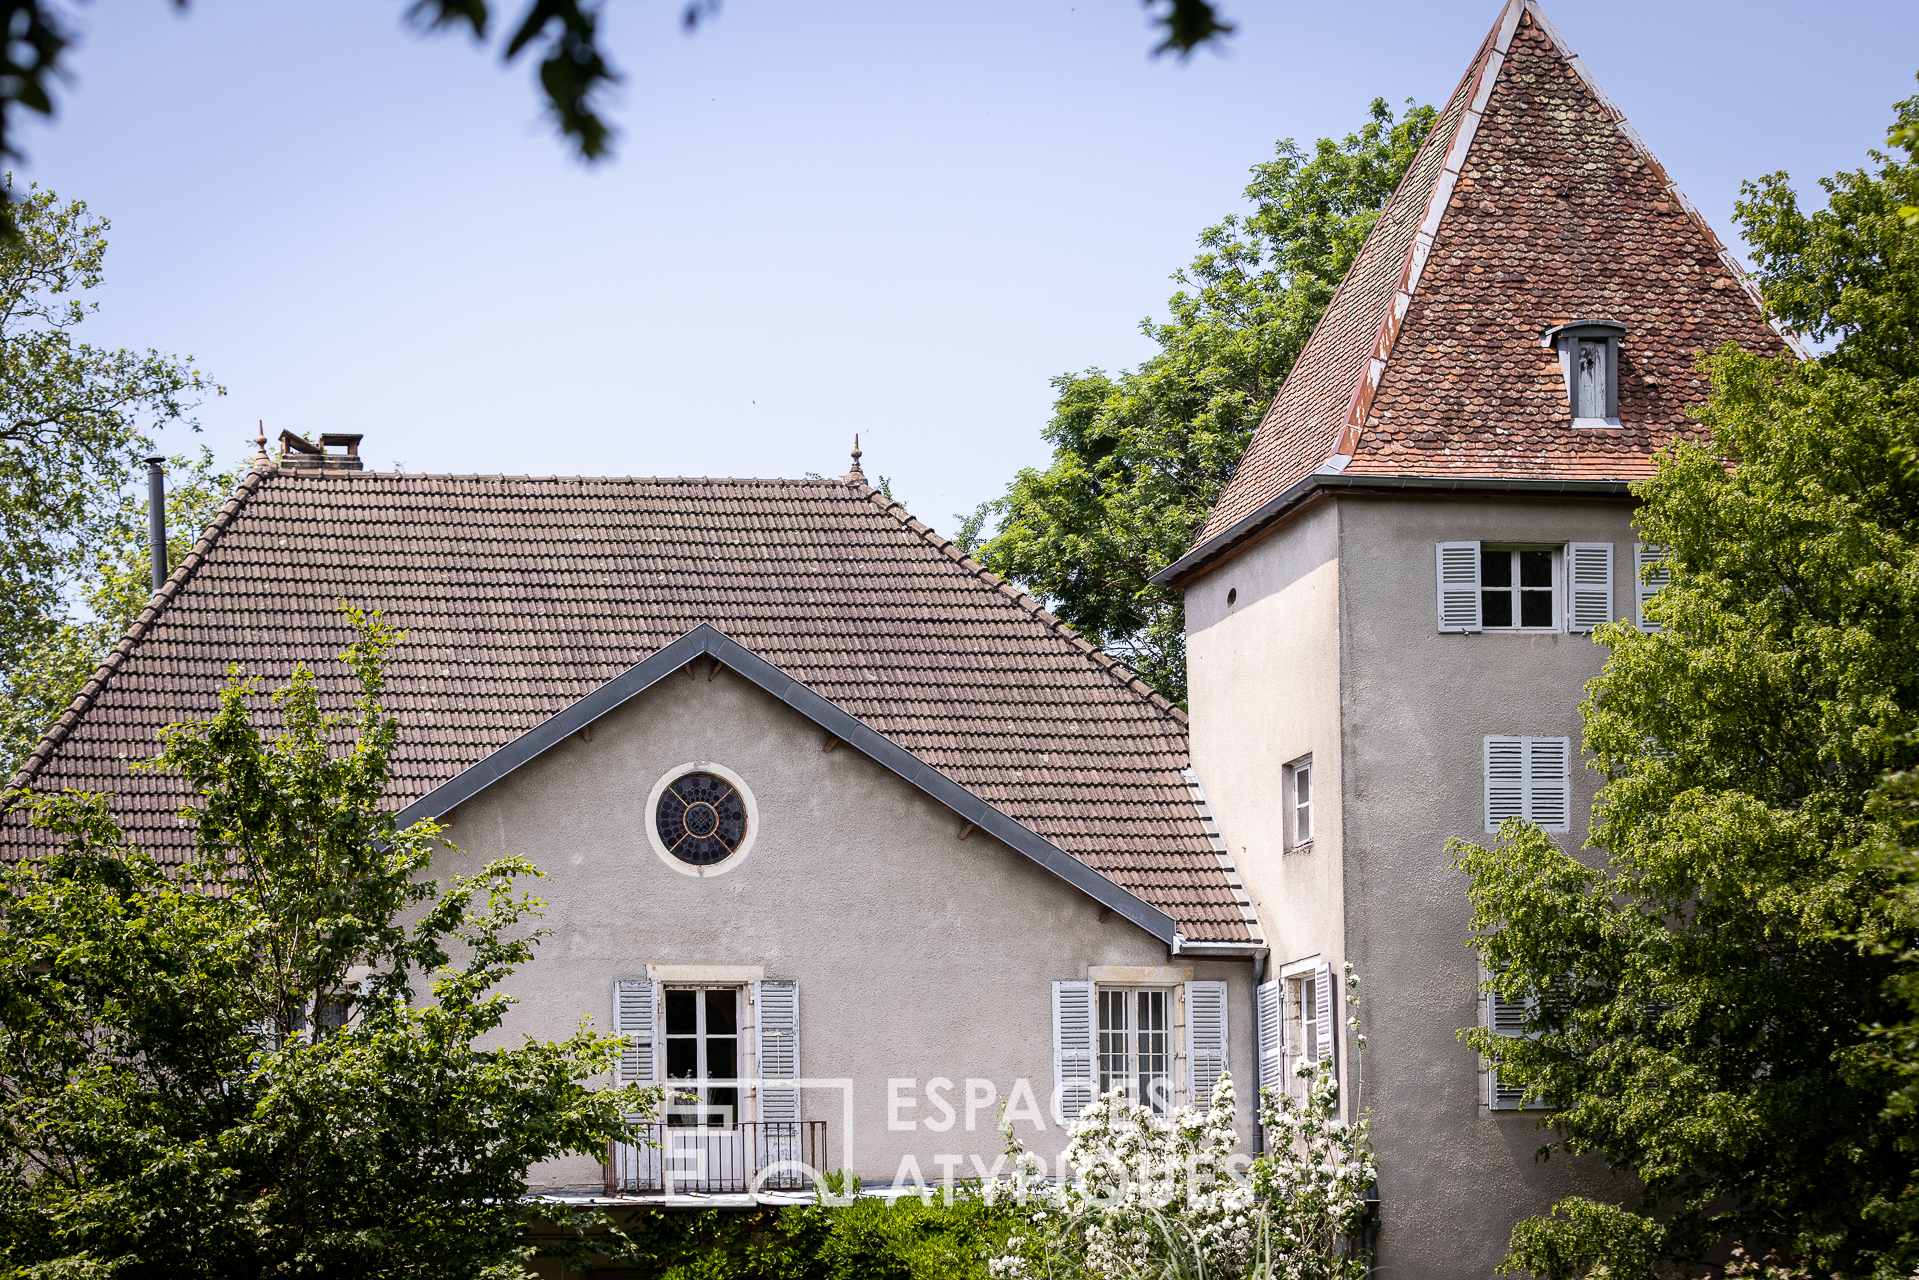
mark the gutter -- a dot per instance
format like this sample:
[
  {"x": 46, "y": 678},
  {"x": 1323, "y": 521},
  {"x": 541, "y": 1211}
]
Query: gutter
[{"x": 1223, "y": 544}]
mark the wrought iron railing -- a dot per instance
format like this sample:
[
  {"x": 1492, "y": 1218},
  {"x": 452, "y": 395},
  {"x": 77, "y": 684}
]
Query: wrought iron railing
[{"x": 685, "y": 1159}]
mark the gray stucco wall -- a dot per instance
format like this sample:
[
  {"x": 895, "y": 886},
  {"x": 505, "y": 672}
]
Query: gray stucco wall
[
  {"x": 1412, "y": 710},
  {"x": 916, "y": 955}
]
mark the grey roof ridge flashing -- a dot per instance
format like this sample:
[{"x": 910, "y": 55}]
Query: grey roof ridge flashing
[
  {"x": 1098, "y": 656},
  {"x": 60, "y": 729},
  {"x": 1222, "y": 544},
  {"x": 706, "y": 639}
]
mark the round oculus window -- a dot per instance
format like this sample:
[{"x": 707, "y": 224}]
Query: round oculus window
[{"x": 701, "y": 819}]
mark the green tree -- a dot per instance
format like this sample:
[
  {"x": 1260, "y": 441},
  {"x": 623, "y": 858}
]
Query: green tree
[
  {"x": 115, "y": 583},
  {"x": 1724, "y": 1006},
  {"x": 274, "y": 1060},
  {"x": 1140, "y": 457},
  {"x": 74, "y": 421}
]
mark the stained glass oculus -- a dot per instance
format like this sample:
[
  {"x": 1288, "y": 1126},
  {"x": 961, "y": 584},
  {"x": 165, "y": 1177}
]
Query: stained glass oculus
[{"x": 701, "y": 819}]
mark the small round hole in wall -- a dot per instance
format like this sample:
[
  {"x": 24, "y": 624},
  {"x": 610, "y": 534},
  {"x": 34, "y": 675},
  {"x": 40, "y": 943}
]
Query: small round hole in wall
[{"x": 1232, "y": 594}]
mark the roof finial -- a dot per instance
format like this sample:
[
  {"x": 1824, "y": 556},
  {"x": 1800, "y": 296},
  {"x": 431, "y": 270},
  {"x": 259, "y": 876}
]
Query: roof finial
[
  {"x": 856, "y": 476},
  {"x": 260, "y": 443}
]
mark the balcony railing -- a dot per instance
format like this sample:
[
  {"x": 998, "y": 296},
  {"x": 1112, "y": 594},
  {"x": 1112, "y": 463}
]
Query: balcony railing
[{"x": 688, "y": 1160}]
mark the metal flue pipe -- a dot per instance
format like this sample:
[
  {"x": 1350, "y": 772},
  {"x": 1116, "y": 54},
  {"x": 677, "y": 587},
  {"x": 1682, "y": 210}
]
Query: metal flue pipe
[{"x": 157, "y": 516}]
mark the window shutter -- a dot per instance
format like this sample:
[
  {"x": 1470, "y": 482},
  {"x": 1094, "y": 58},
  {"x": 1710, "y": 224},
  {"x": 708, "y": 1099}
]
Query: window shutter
[
  {"x": 1506, "y": 1018},
  {"x": 1205, "y": 1039},
  {"x": 1269, "y": 1000},
  {"x": 1650, "y": 574},
  {"x": 1072, "y": 1049},
  {"x": 1549, "y": 782},
  {"x": 776, "y": 1011},
  {"x": 633, "y": 1018},
  {"x": 1589, "y": 585},
  {"x": 1458, "y": 585},
  {"x": 1326, "y": 999},
  {"x": 1505, "y": 780}
]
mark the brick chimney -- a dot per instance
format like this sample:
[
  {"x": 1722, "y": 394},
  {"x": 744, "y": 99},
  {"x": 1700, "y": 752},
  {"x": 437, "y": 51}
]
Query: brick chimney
[{"x": 297, "y": 453}]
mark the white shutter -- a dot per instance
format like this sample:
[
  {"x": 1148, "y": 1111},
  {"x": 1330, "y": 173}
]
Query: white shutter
[
  {"x": 776, "y": 1011},
  {"x": 1326, "y": 1004},
  {"x": 1269, "y": 1000},
  {"x": 1505, "y": 780},
  {"x": 1588, "y": 585},
  {"x": 1549, "y": 782},
  {"x": 633, "y": 1018},
  {"x": 1649, "y": 574},
  {"x": 1205, "y": 1039},
  {"x": 1506, "y": 1018},
  {"x": 1458, "y": 585},
  {"x": 1072, "y": 1049}
]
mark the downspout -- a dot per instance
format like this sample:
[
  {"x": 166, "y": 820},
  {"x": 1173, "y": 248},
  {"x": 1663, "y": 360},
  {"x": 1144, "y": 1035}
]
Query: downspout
[
  {"x": 157, "y": 516},
  {"x": 1259, "y": 1129}
]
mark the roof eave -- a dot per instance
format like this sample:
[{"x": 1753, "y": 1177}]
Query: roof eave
[
  {"x": 1229, "y": 542},
  {"x": 709, "y": 640}
]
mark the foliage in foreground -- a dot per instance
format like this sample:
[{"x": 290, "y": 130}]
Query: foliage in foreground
[
  {"x": 1139, "y": 458},
  {"x": 270, "y": 1062},
  {"x": 1725, "y": 1009}
]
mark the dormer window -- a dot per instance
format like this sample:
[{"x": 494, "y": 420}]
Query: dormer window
[{"x": 1589, "y": 358}]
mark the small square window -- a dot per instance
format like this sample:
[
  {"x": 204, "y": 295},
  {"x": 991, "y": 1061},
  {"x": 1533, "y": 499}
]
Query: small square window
[
  {"x": 1299, "y": 803},
  {"x": 1518, "y": 588}
]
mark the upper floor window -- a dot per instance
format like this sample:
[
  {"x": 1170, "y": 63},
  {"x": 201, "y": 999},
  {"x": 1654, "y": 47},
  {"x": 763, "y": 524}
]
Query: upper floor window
[
  {"x": 1518, "y": 588},
  {"x": 1500, "y": 587},
  {"x": 1589, "y": 359},
  {"x": 703, "y": 1056},
  {"x": 1299, "y": 803}
]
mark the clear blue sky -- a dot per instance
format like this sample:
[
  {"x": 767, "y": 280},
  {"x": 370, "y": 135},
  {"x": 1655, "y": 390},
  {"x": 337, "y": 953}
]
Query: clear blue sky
[{"x": 895, "y": 218}]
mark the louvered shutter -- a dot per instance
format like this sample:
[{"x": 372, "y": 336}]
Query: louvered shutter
[
  {"x": 1549, "y": 782},
  {"x": 633, "y": 1018},
  {"x": 1205, "y": 1038},
  {"x": 776, "y": 1009},
  {"x": 1458, "y": 585},
  {"x": 1072, "y": 1049},
  {"x": 1506, "y": 1018},
  {"x": 1505, "y": 780},
  {"x": 1589, "y": 585},
  {"x": 1326, "y": 1005},
  {"x": 1650, "y": 574},
  {"x": 1269, "y": 1000}
]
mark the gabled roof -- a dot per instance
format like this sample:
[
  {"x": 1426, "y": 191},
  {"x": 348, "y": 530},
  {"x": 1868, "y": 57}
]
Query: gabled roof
[
  {"x": 1531, "y": 204},
  {"x": 704, "y": 641},
  {"x": 523, "y": 595}
]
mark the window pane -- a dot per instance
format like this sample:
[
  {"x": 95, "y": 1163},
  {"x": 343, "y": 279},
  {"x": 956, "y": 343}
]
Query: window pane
[
  {"x": 682, "y": 1012},
  {"x": 1303, "y": 784},
  {"x": 1496, "y": 608},
  {"x": 1112, "y": 1040},
  {"x": 1495, "y": 568},
  {"x": 722, "y": 1057},
  {"x": 1535, "y": 568},
  {"x": 682, "y": 1058},
  {"x": 721, "y": 1009},
  {"x": 725, "y": 1104},
  {"x": 1535, "y": 608}
]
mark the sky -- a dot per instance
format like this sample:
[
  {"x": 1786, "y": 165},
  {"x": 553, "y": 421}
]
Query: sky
[{"x": 896, "y": 219}]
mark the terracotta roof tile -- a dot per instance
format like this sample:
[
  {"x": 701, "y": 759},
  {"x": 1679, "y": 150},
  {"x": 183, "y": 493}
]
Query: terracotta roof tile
[
  {"x": 1542, "y": 206},
  {"x": 520, "y": 595}
]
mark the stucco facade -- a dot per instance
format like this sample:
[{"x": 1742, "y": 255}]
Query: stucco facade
[
  {"x": 1331, "y": 647},
  {"x": 917, "y": 955}
]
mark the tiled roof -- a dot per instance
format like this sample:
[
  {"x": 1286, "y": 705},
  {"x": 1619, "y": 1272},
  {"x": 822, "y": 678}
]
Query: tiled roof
[
  {"x": 1532, "y": 204},
  {"x": 520, "y": 595}
]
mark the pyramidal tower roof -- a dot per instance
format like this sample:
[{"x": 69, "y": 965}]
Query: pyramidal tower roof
[{"x": 1532, "y": 204}]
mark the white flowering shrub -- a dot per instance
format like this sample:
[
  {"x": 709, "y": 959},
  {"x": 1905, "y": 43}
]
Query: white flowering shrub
[{"x": 1166, "y": 1198}]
